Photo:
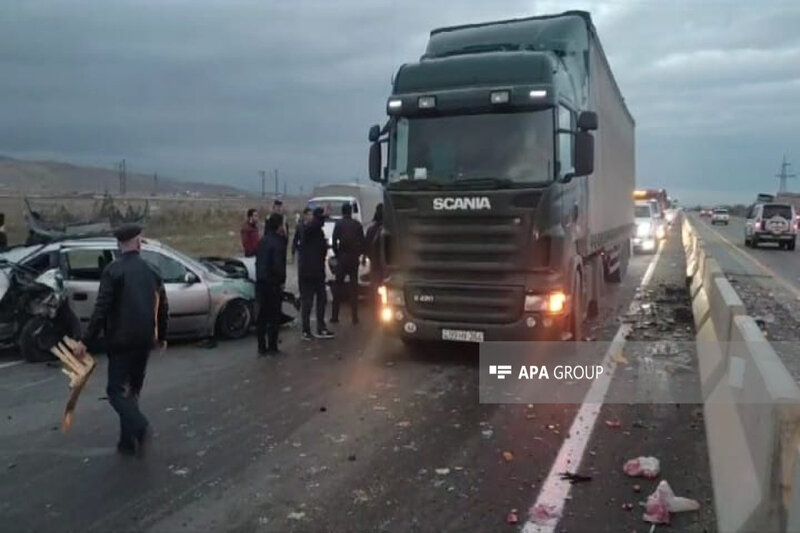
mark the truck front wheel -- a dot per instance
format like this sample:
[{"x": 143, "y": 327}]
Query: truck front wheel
[{"x": 575, "y": 319}]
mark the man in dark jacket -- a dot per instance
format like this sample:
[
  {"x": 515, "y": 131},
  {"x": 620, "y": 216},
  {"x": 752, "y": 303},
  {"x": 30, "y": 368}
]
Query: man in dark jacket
[
  {"x": 298, "y": 231},
  {"x": 373, "y": 251},
  {"x": 249, "y": 233},
  {"x": 348, "y": 246},
  {"x": 270, "y": 277},
  {"x": 131, "y": 310},
  {"x": 311, "y": 274}
]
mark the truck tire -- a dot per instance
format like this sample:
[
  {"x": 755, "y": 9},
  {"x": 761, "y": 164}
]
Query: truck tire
[
  {"x": 575, "y": 319},
  {"x": 36, "y": 339}
]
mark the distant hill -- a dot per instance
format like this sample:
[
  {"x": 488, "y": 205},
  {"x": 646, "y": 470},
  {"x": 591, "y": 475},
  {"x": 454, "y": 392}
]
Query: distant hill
[{"x": 53, "y": 177}]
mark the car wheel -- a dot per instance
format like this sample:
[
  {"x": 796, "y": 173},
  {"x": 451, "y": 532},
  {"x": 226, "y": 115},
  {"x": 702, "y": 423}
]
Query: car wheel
[
  {"x": 36, "y": 338},
  {"x": 234, "y": 320}
]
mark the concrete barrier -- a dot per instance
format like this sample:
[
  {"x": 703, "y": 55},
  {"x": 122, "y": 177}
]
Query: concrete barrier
[{"x": 751, "y": 406}]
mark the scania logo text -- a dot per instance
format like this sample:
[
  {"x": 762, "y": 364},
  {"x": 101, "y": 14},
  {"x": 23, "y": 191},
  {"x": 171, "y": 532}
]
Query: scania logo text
[{"x": 472, "y": 203}]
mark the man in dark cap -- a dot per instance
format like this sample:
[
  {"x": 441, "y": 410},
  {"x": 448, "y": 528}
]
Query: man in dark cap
[
  {"x": 311, "y": 274},
  {"x": 131, "y": 311},
  {"x": 270, "y": 277},
  {"x": 348, "y": 245}
]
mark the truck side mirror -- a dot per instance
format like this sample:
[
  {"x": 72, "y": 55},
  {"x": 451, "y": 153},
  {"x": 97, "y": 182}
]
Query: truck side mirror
[
  {"x": 587, "y": 121},
  {"x": 375, "y": 162},
  {"x": 374, "y": 133},
  {"x": 584, "y": 154}
]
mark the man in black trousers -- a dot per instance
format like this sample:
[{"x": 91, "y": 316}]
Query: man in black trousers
[
  {"x": 270, "y": 277},
  {"x": 131, "y": 309},
  {"x": 313, "y": 250},
  {"x": 348, "y": 246}
]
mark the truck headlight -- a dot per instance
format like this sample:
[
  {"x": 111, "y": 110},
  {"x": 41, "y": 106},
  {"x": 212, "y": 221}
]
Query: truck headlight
[
  {"x": 391, "y": 297},
  {"x": 643, "y": 229},
  {"x": 552, "y": 303}
]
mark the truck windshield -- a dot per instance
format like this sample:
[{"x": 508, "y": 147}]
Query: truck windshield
[
  {"x": 515, "y": 148},
  {"x": 642, "y": 211}
]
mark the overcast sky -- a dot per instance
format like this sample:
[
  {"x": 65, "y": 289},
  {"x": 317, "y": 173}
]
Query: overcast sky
[{"x": 216, "y": 91}]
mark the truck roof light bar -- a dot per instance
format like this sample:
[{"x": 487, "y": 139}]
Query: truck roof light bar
[
  {"x": 499, "y": 97},
  {"x": 426, "y": 102},
  {"x": 537, "y": 93}
]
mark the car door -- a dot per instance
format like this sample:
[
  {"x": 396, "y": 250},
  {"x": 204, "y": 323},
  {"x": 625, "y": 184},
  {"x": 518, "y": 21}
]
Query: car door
[
  {"x": 82, "y": 269},
  {"x": 187, "y": 295}
]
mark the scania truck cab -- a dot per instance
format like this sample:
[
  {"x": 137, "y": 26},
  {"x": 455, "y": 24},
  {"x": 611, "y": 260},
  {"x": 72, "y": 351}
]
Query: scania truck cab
[{"x": 508, "y": 183}]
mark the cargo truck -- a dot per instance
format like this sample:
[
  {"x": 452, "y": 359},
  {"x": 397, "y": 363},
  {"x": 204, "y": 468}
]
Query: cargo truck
[{"x": 508, "y": 183}]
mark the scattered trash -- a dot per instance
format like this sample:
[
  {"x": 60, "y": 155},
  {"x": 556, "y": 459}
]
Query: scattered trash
[
  {"x": 286, "y": 389},
  {"x": 12, "y": 466},
  {"x": 181, "y": 472},
  {"x": 442, "y": 471},
  {"x": 403, "y": 424},
  {"x": 512, "y": 517},
  {"x": 648, "y": 467},
  {"x": 378, "y": 408},
  {"x": 508, "y": 456},
  {"x": 351, "y": 457},
  {"x": 663, "y": 502},
  {"x": 614, "y": 424},
  {"x": 637, "y": 488},
  {"x": 323, "y": 409},
  {"x": 574, "y": 477},
  {"x": 542, "y": 513},
  {"x": 487, "y": 433},
  {"x": 296, "y": 515},
  {"x": 638, "y": 424},
  {"x": 627, "y": 507},
  {"x": 619, "y": 359}
]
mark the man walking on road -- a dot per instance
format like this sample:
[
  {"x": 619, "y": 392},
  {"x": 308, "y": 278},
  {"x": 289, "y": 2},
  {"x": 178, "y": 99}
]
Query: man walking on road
[
  {"x": 131, "y": 309},
  {"x": 311, "y": 273},
  {"x": 249, "y": 233},
  {"x": 348, "y": 246},
  {"x": 270, "y": 277}
]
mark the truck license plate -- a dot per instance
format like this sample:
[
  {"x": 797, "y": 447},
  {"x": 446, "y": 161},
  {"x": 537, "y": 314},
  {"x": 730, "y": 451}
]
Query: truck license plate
[{"x": 462, "y": 335}]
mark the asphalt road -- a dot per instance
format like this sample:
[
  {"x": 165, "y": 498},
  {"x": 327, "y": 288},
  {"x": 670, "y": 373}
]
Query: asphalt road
[{"x": 355, "y": 434}]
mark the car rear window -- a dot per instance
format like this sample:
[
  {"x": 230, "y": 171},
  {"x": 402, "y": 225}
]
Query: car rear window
[{"x": 784, "y": 211}]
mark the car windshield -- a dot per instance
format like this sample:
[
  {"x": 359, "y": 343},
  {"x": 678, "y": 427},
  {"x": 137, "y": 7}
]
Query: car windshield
[
  {"x": 642, "y": 211},
  {"x": 331, "y": 206},
  {"x": 783, "y": 211},
  {"x": 720, "y": 211},
  {"x": 444, "y": 150}
]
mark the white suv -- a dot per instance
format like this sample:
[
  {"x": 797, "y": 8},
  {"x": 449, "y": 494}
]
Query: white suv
[
  {"x": 771, "y": 222},
  {"x": 720, "y": 216}
]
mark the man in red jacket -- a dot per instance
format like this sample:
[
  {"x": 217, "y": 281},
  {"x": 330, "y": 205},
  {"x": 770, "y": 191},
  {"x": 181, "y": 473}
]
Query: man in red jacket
[{"x": 249, "y": 233}]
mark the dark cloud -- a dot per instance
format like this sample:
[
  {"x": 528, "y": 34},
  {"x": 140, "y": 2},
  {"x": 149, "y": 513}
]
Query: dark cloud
[{"x": 218, "y": 90}]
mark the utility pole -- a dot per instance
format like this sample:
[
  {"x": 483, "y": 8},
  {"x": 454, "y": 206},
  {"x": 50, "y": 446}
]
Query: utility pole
[
  {"x": 123, "y": 178},
  {"x": 276, "y": 183},
  {"x": 263, "y": 183},
  {"x": 784, "y": 175},
  {"x": 284, "y": 189}
]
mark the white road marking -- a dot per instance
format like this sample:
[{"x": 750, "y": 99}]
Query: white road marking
[
  {"x": 11, "y": 363},
  {"x": 555, "y": 491},
  {"x": 33, "y": 384}
]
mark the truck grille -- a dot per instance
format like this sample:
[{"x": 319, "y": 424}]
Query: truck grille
[
  {"x": 465, "y": 244},
  {"x": 478, "y": 304}
]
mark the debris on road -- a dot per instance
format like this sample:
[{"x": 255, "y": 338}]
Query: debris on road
[
  {"x": 637, "y": 488},
  {"x": 403, "y": 424},
  {"x": 614, "y": 424},
  {"x": 508, "y": 456},
  {"x": 487, "y": 433},
  {"x": 512, "y": 517},
  {"x": 442, "y": 471},
  {"x": 180, "y": 472},
  {"x": 351, "y": 457},
  {"x": 648, "y": 467},
  {"x": 542, "y": 513},
  {"x": 574, "y": 477},
  {"x": 296, "y": 515},
  {"x": 663, "y": 502},
  {"x": 627, "y": 506}
]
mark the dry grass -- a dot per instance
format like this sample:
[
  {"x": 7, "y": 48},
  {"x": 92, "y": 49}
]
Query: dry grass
[{"x": 203, "y": 226}]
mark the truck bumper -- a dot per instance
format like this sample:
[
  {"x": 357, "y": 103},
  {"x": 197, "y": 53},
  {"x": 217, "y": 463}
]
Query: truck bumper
[
  {"x": 531, "y": 327},
  {"x": 770, "y": 237}
]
